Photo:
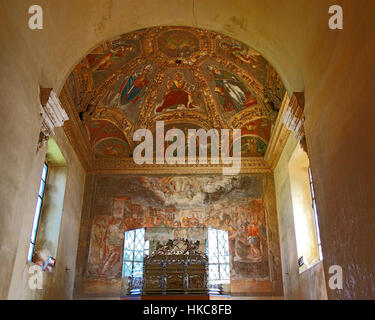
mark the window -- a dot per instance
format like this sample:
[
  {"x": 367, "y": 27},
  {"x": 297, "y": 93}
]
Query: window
[
  {"x": 135, "y": 247},
  {"x": 218, "y": 256},
  {"x": 49, "y": 209},
  {"x": 304, "y": 210},
  {"x": 315, "y": 215},
  {"x": 38, "y": 211}
]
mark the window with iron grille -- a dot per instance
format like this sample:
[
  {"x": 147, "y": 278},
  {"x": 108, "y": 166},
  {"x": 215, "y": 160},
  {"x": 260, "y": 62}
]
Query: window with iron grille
[
  {"x": 218, "y": 256},
  {"x": 135, "y": 247}
]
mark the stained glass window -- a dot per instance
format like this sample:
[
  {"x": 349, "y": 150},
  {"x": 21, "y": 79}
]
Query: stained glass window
[
  {"x": 37, "y": 212},
  {"x": 218, "y": 256},
  {"x": 135, "y": 247}
]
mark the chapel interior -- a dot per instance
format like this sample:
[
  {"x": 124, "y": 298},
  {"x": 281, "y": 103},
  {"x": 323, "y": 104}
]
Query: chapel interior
[{"x": 295, "y": 222}]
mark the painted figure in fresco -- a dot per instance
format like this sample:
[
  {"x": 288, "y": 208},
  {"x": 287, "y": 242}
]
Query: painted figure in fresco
[
  {"x": 251, "y": 146},
  {"x": 111, "y": 264},
  {"x": 258, "y": 210},
  {"x": 131, "y": 89},
  {"x": 113, "y": 147},
  {"x": 233, "y": 95},
  {"x": 242, "y": 53},
  {"x": 106, "y": 246},
  {"x": 96, "y": 248},
  {"x": 226, "y": 224},
  {"x": 104, "y": 61},
  {"x": 215, "y": 221},
  {"x": 178, "y": 231},
  {"x": 254, "y": 239},
  {"x": 177, "y": 96}
]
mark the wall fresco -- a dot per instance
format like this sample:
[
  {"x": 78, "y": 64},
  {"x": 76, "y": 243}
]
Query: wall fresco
[{"x": 234, "y": 204}]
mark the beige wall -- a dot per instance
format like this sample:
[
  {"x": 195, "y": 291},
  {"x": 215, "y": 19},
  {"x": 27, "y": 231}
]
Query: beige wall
[
  {"x": 309, "y": 284},
  {"x": 334, "y": 68},
  {"x": 58, "y": 285}
]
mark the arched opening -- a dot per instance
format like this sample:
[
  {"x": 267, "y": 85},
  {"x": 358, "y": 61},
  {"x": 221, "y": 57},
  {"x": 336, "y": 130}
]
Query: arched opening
[
  {"x": 292, "y": 36},
  {"x": 182, "y": 79}
]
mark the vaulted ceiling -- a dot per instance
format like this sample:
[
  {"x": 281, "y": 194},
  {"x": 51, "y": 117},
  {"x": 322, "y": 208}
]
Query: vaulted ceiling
[{"x": 187, "y": 77}]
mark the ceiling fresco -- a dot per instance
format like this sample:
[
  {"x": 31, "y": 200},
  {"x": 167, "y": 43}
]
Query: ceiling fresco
[{"x": 188, "y": 77}]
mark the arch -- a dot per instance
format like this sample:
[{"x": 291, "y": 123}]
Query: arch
[{"x": 243, "y": 21}]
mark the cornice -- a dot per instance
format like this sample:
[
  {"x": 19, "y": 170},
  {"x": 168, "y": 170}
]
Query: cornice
[
  {"x": 128, "y": 166},
  {"x": 279, "y": 136}
]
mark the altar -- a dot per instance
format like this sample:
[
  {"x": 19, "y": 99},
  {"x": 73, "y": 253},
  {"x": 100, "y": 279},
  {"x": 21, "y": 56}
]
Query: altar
[{"x": 171, "y": 267}]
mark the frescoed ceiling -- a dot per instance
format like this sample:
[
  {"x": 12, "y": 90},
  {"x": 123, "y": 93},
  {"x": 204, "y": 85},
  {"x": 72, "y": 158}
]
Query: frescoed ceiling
[{"x": 190, "y": 78}]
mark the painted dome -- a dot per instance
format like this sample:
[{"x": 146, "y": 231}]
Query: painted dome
[{"x": 187, "y": 77}]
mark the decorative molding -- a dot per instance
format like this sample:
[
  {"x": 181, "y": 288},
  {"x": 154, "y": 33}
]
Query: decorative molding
[
  {"x": 128, "y": 166},
  {"x": 79, "y": 142},
  {"x": 84, "y": 155},
  {"x": 294, "y": 118},
  {"x": 116, "y": 118},
  {"x": 279, "y": 136},
  {"x": 75, "y": 130},
  {"x": 53, "y": 114},
  {"x": 181, "y": 116},
  {"x": 249, "y": 114}
]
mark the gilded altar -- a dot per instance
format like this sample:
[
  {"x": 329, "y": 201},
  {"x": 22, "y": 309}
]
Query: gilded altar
[{"x": 176, "y": 266}]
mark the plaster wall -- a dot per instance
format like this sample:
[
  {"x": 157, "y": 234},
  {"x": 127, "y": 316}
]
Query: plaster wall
[
  {"x": 335, "y": 68},
  {"x": 59, "y": 284}
]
